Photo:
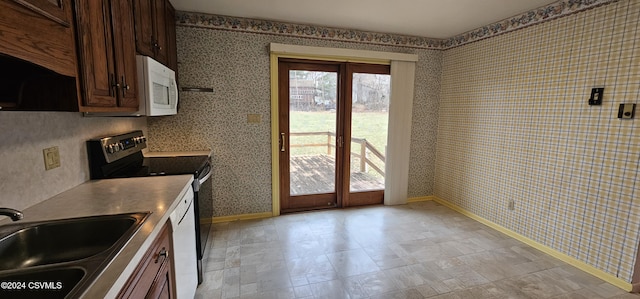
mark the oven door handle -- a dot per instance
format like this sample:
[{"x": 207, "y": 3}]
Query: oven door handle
[{"x": 205, "y": 178}]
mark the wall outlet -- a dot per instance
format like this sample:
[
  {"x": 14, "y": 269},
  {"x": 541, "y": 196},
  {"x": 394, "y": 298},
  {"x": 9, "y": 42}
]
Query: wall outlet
[
  {"x": 512, "y": 205},
  {"x": 627, "y": 111},
  {"x": 51, "y": 158}
]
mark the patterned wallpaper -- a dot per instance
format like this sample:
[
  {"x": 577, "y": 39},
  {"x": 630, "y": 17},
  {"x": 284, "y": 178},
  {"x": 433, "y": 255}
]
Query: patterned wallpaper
[
  {"x": 236, "y": 65},
  {"x": 515, "y": 124},
  {"x": 230, "y": 54}
]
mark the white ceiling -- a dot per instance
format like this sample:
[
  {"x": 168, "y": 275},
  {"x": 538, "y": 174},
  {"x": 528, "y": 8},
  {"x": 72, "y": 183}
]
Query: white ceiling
[{"x": 426, "y": 18}]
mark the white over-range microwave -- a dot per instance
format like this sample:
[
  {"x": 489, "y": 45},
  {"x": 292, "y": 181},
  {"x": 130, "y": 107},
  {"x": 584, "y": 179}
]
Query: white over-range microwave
[{"x": 158, "y": 89}]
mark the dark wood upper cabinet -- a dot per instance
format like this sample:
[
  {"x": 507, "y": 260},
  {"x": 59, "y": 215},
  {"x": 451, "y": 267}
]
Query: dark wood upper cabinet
[
  {"x": 29, "y": 36},
  {"x": 155, "y": 29},
  {"x": 160, "y": 16},
  {"x": 106, "y": 45},
  {"x": 60, "y": 63},
  {"x": 125, "y": 53},
  {"x": 145, "y": 39},
  {"x": 38, "y": 56},
  {"x": 172, "y": 47},
  {"x": 55, "y": 10}
]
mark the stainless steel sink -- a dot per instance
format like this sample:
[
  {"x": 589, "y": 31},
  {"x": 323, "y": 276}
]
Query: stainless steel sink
[{"x": 72, "y": 251}]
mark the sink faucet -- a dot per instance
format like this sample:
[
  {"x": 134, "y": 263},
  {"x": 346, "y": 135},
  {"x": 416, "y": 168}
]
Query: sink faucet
[{"x": 14, "y": 214}]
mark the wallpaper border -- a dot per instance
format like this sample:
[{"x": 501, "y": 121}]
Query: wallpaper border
[{"x": 549, "y": 12}]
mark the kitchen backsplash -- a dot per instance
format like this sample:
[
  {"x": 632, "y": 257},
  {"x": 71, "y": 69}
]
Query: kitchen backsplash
[{"x": 23, "y": 179}]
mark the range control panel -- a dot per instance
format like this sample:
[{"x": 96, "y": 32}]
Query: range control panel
[{"x": 120, "y": 146}]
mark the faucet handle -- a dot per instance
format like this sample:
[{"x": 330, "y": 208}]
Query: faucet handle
[{"x": 14, "y": 214}]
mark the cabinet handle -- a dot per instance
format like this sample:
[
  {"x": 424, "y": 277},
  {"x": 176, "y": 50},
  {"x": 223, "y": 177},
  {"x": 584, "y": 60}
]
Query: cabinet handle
[
  {"x": 156, "y": 46},
  {"x": 163, "y": 253},
  {"x": 114, "y": 86},
  {"x": 125, "y": 87}
]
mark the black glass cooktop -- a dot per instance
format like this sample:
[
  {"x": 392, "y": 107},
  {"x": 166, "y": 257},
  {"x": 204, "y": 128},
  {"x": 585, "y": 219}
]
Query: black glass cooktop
[
  {"x": 152, "y": 166},
  {"x": 174, "y": 165}
]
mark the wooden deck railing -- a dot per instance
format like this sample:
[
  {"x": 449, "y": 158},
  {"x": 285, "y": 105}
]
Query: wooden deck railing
[{"x": 362, "y": 153}]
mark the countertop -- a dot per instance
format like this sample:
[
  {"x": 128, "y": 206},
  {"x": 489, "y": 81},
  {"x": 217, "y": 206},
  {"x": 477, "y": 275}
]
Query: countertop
[{"x": 114, "y": 196}]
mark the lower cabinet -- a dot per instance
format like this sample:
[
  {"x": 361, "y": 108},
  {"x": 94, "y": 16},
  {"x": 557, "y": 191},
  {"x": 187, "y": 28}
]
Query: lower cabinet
[{"x": 154, "y": 275}]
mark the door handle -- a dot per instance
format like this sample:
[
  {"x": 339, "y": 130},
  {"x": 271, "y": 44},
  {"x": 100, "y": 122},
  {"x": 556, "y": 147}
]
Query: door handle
[{"x": 282, "y": 142}]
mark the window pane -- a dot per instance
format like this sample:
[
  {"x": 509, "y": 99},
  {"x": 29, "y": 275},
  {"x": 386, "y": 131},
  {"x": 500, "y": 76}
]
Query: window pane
[
  {"x": 369, "y": 118},
  {"x": 312, "y": 127}
]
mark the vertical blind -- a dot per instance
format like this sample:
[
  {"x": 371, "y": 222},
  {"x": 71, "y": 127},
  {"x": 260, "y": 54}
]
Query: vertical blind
[{"x": 399, "y": 137}]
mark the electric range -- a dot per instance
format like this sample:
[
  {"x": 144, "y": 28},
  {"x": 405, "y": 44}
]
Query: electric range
[{"x": 121, "y": 156}]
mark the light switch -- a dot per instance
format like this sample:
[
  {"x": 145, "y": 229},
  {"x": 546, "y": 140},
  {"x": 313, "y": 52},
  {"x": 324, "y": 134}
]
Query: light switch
[
  {"x": 626, "y": 111},
  {"x": 596, "y": 96},
  {"x": 254, "y": 118},
  {"x": 51, "y": 158}
]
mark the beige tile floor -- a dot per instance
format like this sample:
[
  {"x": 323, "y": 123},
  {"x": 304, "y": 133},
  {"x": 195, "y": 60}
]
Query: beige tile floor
[{"x": 420, "y": 250}]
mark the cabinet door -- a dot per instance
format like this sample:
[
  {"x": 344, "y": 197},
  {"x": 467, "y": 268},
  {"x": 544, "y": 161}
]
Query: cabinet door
[
  {"x": 172, "y": 51},
  {"x": 160, "y": 31},
  {"x": 151, "y": 29},
  {"x": 162, "y": 287},
  {"x": 95, "y": 46},
  {"x": 153, "y": 278},
  {"x": 145, "y": 41},
  {"x": 54, "y": 10},
  {"x": 125, "y": 54}
]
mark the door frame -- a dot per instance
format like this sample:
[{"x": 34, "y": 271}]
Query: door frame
[{"x": 313, "y": 53}]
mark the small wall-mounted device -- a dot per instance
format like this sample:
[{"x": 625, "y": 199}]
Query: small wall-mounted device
[
  {"x": 626, "y": 111},
  {"x": 596, "y": 96}
]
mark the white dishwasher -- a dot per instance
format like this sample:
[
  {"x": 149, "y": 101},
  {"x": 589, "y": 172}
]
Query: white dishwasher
[{"x": 184, "y": 247}]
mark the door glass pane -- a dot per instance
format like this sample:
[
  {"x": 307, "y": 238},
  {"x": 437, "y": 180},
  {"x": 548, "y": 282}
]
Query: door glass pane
[
  {"x": 369, "y": 118},
  {"x": 312, "y": 127}
]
